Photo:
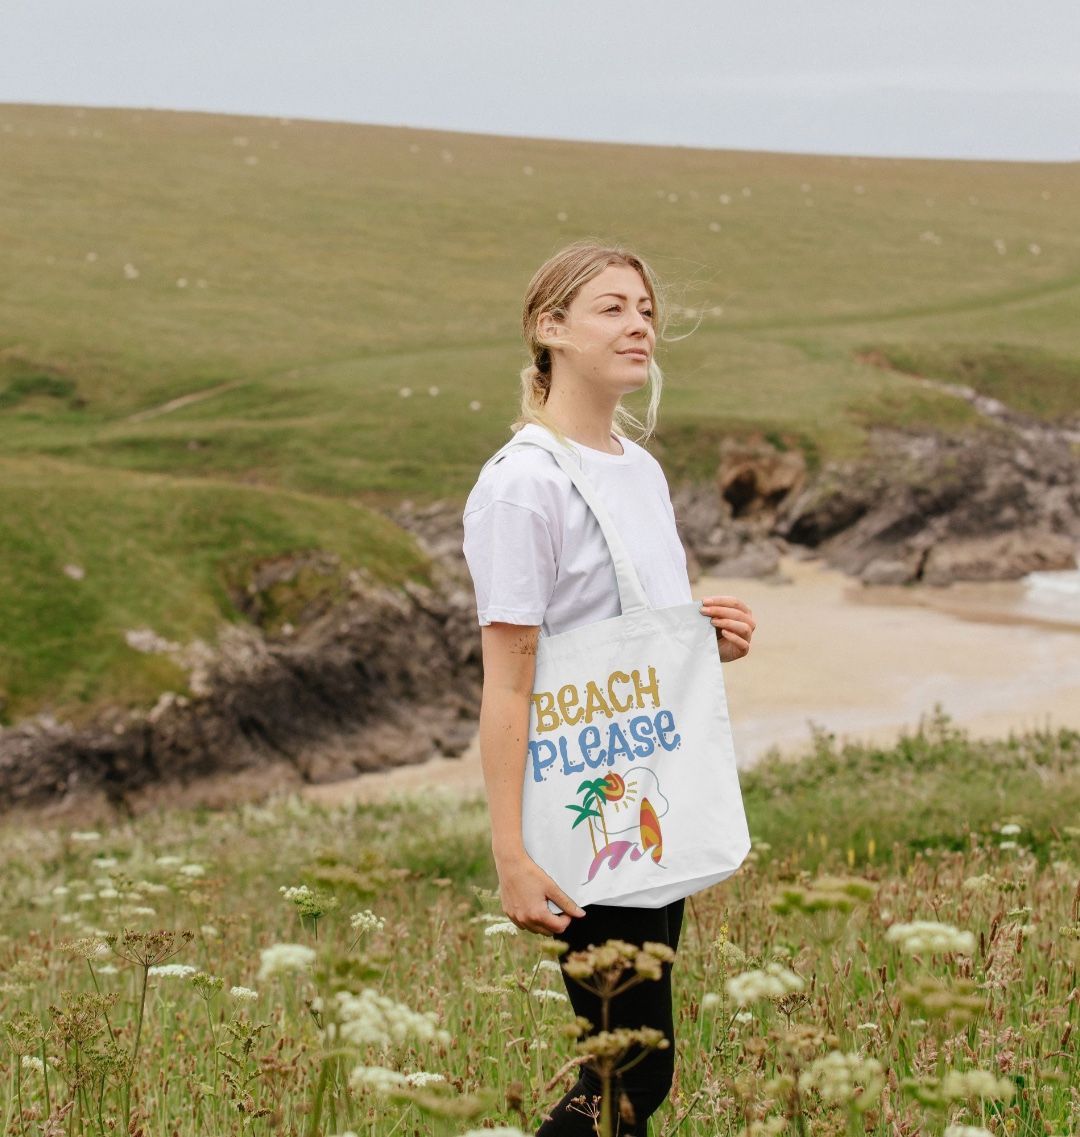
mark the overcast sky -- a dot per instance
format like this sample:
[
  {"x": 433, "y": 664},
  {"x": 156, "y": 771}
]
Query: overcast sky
[{"x": 929, "y": 78}]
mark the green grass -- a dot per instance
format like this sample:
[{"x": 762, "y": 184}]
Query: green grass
[
  {"x": 349, "y": 262},
  {"x": 168, "y": 552},
  {"x": 1036, "y": 382},
  {"x": 846, "y": 843}
]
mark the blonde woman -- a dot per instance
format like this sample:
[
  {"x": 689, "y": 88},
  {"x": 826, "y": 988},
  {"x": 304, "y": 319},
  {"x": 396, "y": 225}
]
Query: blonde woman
[{"x": 539, "y": 561}]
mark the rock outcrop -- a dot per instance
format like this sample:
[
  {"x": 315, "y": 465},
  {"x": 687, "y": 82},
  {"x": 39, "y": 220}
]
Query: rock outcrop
[
  {"x": 383, "y": 677},
  {"x": 992, "y": 505}
]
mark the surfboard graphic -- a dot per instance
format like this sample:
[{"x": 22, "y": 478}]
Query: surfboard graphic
[{"x": 652, "y": 840}]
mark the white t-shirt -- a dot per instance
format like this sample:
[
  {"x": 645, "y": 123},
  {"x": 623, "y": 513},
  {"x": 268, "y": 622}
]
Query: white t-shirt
[{"x": 535, "y": 549}]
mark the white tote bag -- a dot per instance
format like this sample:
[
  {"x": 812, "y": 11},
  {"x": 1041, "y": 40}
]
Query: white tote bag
[{"x": 631, "y": 796}]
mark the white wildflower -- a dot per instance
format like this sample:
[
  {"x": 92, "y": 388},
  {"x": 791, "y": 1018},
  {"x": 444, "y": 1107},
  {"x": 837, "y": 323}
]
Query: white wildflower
[
  {"x": 191, "y": 870},
  {"x": 981, "y": 883},
  {"x": 370, "y": 1018},
  {"x": 502, "y": 928},
  {"x": 1010, "y": 830},
  {"x": 210, "y": 932},
  {"x": 366, "y": 921},
  {"x": 142, "y": 910},
  {"x": 85, "y": 835},
  {"x": 551, "y": 965},
  {"x": 545, "y": 993},
  {"x": 474, "y": 405},
  {"x": 433, "y": 390},
  {"x": 958, "y": 1085},
  {"x": 930, "y": 936},
  {"x": 744, "y": 1017},
  {"x": 375, "y": 1077},
  {"x": 710, "y": 1000},
  {"x": 281, "y": 958},
  {"x": 243, "y": 994},
  {"x": 108, "y": 893},
  {"x": 967, "y": 1131},
  {"x": 173, "y": 970},
  {"x": 405, "y": 392},
  {"x": 104, "y": 862},
  {"x": 107, "y": 969},
  {"x": 130, "y": 271},
  {"x": 774, "y": 981},
  {"x": 423, "y": 1078},
  {"x": 1007, "y": 845},
  {"x": 32, "y": 1062},
  {"x": 61, "y": 890},
  {"x": 837, "y": 1077},
  {"x": 292, "y": 892}
]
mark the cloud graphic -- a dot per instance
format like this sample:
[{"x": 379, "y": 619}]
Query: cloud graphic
[{"x": 641, "y": 782}]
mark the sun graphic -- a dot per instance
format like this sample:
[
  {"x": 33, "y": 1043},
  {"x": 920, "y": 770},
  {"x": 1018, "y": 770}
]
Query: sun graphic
[{"x": 619, "y": 792}]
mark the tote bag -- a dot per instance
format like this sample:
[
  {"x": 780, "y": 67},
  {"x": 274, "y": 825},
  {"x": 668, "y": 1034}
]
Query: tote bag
[{"x": 631, "y": 796}]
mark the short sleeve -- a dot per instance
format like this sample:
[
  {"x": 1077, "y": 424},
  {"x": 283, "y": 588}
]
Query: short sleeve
[{"x": 511, "y": 559}]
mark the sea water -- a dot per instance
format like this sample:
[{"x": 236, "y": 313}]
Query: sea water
[{"x": 1052, "y": 595}]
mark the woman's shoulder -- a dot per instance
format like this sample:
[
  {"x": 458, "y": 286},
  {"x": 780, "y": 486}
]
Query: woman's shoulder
[{"x": 527, "y": 476}]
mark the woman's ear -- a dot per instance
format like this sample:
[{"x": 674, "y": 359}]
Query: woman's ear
[{"x": 548, "y": 326}]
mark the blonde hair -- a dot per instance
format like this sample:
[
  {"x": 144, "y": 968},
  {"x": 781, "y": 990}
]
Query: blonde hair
[{"x": 552, "y": 289}]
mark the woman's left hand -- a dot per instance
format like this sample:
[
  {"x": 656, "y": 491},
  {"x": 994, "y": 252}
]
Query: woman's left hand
[{"x": 734, "y": 624}]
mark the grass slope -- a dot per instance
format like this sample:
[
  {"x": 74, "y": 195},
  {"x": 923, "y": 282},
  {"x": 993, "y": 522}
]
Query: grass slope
[{"x": 243, "y": 300}]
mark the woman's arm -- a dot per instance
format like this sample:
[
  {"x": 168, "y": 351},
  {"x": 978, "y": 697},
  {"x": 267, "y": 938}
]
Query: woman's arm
[{"x": 509, "y": 669}]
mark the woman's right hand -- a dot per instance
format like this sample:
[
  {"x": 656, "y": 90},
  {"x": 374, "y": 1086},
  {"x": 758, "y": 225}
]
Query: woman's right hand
[{"x": 524, "y": 889}]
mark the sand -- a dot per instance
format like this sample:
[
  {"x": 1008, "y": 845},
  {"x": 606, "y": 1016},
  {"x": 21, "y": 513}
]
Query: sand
[{"x": 863, "y": 663}]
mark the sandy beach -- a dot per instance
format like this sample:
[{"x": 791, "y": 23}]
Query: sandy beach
[{"x": 863, "y": 663}]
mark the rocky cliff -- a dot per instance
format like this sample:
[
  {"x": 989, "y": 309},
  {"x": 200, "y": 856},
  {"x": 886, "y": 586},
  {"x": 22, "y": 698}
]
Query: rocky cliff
[{"x": 383, "y": 676}]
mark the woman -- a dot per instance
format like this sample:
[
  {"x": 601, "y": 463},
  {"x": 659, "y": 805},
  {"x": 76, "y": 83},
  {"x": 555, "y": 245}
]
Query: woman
[{"x": 538, "y": 560}]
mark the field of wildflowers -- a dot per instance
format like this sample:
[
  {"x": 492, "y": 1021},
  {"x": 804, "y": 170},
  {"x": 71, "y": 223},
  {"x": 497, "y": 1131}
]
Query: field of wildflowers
[{"x": 899, "y": 955}]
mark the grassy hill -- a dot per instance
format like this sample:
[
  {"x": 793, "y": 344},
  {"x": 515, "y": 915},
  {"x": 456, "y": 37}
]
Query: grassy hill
[{"x": 229, "y": 302}]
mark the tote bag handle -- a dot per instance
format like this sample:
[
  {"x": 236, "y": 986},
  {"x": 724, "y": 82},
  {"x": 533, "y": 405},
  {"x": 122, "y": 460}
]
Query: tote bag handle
[{"x": 632, "y": 596}]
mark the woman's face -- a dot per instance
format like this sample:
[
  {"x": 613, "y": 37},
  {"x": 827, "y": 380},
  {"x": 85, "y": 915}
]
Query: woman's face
[{"x": 610, "y": 322}]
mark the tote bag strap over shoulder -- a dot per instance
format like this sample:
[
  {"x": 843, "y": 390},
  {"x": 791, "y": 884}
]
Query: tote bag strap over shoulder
[{"x": 632, "y": 596}]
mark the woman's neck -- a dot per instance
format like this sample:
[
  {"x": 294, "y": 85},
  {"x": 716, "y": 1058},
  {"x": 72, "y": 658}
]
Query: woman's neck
[{"x": 583, "y": 415}]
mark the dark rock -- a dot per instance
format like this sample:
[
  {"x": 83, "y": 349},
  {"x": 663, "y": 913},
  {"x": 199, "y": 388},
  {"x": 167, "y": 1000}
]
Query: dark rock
[
  {"x": 937, "y": 507},
  {"x": 386, "y": 677}
]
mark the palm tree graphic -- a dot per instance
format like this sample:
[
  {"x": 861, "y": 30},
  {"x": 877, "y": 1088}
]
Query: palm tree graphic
[{"x": 593, "y": 796}]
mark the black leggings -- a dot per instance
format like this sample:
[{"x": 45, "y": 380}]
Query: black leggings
[{"x": 646, "y": 1004}]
